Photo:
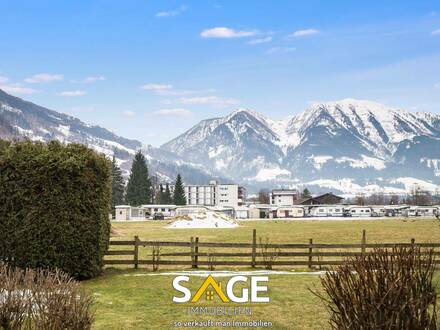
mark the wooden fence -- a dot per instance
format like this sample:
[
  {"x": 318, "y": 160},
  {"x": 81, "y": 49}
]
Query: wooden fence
[{"x": 196, "y": 253}]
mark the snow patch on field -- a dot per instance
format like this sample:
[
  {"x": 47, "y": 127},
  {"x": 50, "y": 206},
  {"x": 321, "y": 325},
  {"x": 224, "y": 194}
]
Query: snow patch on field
[
  {"x": 319, "y": 161},
  {"x": 208, "y": 219},
  {"x": 267, "y": 174},
  {"x": 412, "y": 183},
  {"x": 365, "y": 162},
  {"x": 350, "y": 189}
]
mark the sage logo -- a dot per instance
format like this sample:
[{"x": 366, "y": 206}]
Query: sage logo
[{"x": 255, "y": 290}]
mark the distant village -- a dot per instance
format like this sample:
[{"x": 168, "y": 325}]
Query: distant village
[
  {"x": 143, "y": 198},
  {"x": 231, "y": 199}
]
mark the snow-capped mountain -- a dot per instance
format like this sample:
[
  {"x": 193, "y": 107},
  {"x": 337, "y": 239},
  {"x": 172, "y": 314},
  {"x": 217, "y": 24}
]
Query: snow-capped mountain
[
  {"x": 21, "y": 119},
  {"x": 361, "y": 142},
  {"x": 347, "y": 146}
]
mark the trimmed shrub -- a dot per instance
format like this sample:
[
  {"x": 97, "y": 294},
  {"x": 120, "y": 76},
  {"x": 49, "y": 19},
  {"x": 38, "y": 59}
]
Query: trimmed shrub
[
  {"x": 54, "y": 206},
  {"x": 38, "y": 299},
  {"x": 383, "y": 290}
]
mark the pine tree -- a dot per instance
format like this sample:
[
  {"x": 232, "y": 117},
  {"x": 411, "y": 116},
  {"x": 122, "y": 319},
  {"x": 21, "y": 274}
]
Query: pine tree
[
  {"x": 160, "y": 196},
  {"x": 118, "y": 185},
  {"x": 306, "y": 193},
  {"x": 179, "y": 192},
  {"x": 168, "y": 199},
  {"x": 139, "y": 185}
]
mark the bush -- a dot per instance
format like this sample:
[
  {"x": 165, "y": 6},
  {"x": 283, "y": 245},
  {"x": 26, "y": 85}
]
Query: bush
[
  {"x": 54, "y": 206},
  {"x": 38, "y": 299},
  {"x": 383, "y": 290}
]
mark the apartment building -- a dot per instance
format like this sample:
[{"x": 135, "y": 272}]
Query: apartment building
[
  {"x": 284, "y": 197},
  {"x": 215, "y": 194}
]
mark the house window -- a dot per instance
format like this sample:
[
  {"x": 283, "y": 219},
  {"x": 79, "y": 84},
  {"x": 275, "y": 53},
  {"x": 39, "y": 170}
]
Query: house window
[
  {"x": 321, "y": 210},
  {"x": 120, "y": 212}
]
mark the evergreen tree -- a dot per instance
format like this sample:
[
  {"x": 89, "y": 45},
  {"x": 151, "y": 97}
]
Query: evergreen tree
[
  {"x": 160, "y": 196},
  {"x": 118, "y": 185},
  {"x": 179, "y": 192},
  {"x": 168, "y": 199},
  {"x": 306, "y": 193},
  {"x": 139, "y": 185}
]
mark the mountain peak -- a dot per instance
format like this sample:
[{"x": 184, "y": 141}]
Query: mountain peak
[
  {"x": 246, "y": 111},
  {"x": 351, "y": 103}
]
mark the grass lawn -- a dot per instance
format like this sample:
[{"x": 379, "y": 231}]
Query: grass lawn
[{"x": 133, "y": 299}]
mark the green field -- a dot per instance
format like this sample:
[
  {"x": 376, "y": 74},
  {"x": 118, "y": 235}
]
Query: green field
[{"x": 141, "y": 299}]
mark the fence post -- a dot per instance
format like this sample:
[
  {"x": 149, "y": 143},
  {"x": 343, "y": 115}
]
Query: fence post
[
  {"x": 254, "y": 248},
  {"x": 363, "y": 241},
  {"x": 192, "y": 253},
  {"x": 196, "y": 256},
  {"x": 413, "y": 243},
  {"x": 136, "y": 251},
  {"x": 310, "y": 252}
]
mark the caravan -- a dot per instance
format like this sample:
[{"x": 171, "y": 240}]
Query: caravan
[
  {"x": 358, "y": 211},
  {"x": 290, "y": 212},
  {"x": 326, "y": 211}
]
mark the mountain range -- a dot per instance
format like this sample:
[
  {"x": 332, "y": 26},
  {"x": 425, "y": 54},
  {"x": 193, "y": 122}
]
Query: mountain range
[{"x": 348, "y": 146}]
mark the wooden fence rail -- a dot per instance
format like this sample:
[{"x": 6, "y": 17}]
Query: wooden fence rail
[{"x": 257, "y": 254}]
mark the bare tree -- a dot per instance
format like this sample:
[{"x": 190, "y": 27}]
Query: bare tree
[
  {"x": 394, "y": 200},
  {"x": 360, "y": 200},
  {"x": 376, "y": 199},
  {"x": 264, "y": 196},
  {"x": 420, "y": 196}
]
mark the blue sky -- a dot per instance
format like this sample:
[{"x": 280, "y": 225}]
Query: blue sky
[{"x": 152, "y": 69}]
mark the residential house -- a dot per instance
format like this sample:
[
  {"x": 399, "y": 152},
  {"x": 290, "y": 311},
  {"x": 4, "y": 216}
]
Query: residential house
[{"x": 325, "y": 199}]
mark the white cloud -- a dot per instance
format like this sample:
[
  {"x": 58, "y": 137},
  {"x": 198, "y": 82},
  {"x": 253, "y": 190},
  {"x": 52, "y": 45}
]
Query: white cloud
[
  {"x": 224, "y": 32},
  {"x": 175, "y": 92},
  {"x": 436, "y": 32},
  {"x": 208, "y": 100},
  {"x": 171, "y": 13},
  {"x": 304, "y": 33},
  {"x": 157, "y": 88},
  {"x": 280, "y": 50},
  {"x": 73, "y": 93},
  {"x": 89, "y": 80},
  {"x": 437, "y": 85},
  {"x": 128, "y": 113},
  {"x": 3, "y": 79},
  {"x": 259, "y": 41},
  {"x": 177, "y": 112},
  {"x": 169, "y": 90},
  {"x": 44, "y": 78},
  {"x": 17, "y": 89}
]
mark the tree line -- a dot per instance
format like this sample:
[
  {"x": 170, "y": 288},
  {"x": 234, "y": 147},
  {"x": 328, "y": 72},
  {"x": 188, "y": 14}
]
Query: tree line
[{"x": 140, "y": 190}]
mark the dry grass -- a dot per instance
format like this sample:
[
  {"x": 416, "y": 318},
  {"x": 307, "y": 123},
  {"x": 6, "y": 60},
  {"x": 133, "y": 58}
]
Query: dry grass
[{"x": 129, "y": 299}]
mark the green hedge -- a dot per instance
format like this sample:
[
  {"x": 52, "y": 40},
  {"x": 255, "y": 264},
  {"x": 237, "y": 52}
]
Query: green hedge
[{"x": 54, "y": 206}]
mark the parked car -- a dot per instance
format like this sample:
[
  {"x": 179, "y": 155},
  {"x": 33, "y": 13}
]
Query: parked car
[{"x": 158, "y": 216}]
